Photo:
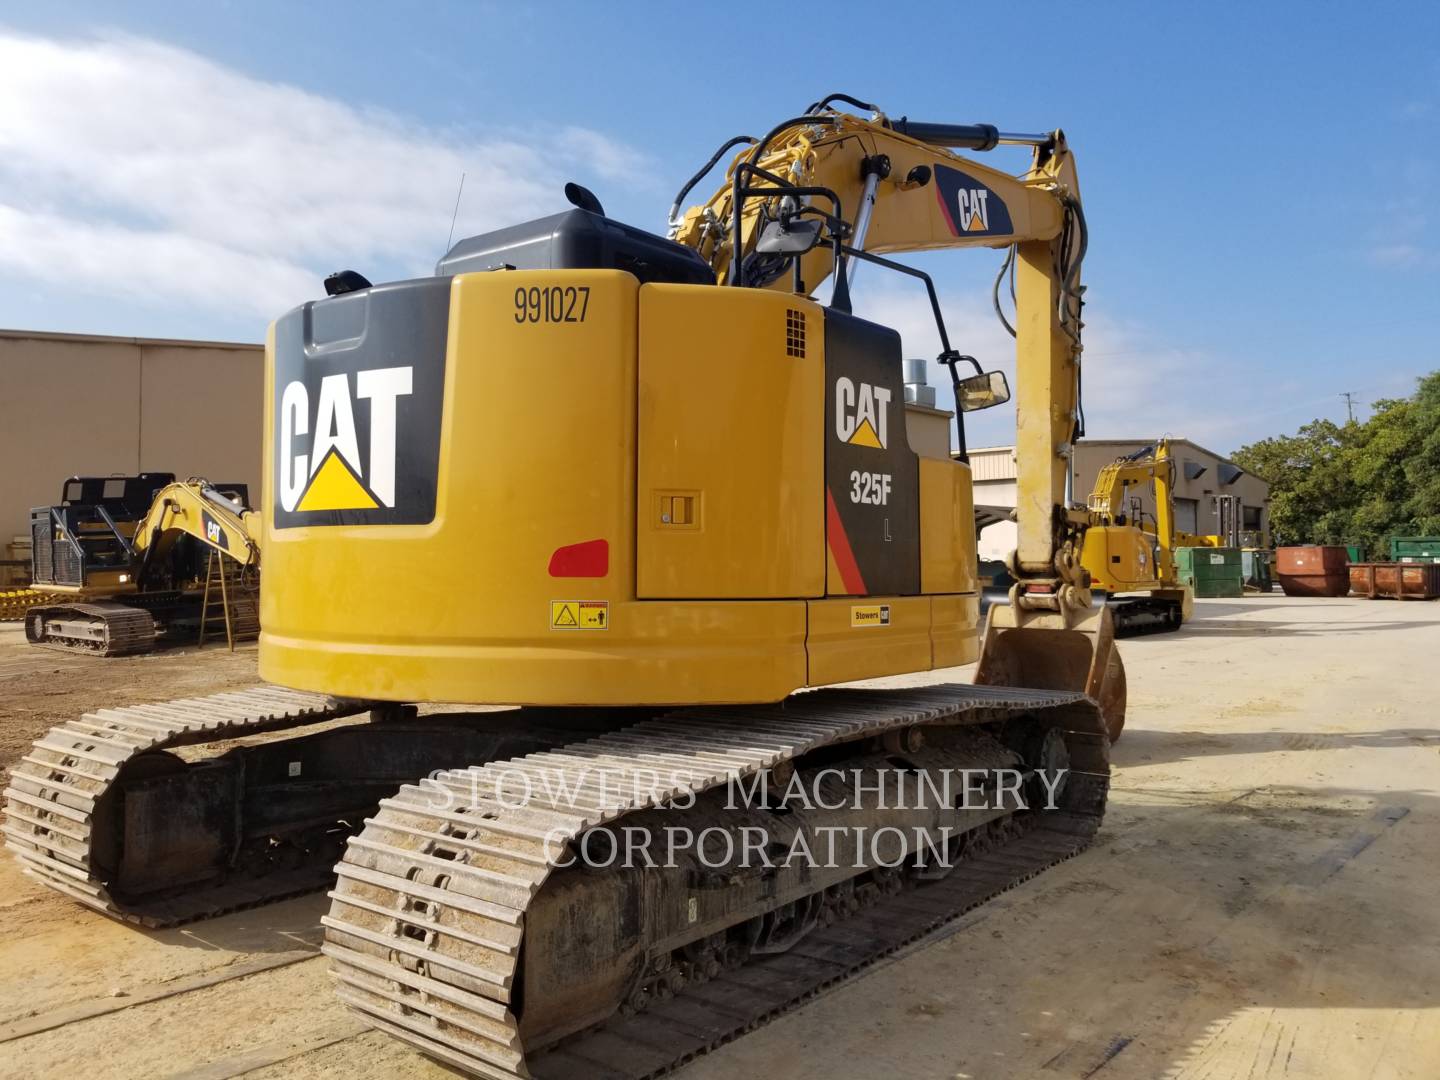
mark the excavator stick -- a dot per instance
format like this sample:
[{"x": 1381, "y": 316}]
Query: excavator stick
[{"x": 1037, "y": 650}]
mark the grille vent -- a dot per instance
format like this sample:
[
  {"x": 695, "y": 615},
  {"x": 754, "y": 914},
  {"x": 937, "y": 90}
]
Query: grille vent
[{"x": 795, "y": 333}]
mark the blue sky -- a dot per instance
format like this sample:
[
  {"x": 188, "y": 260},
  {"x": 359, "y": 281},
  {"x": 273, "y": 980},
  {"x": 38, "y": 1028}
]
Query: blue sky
[{"x": 1260, "y": 180}]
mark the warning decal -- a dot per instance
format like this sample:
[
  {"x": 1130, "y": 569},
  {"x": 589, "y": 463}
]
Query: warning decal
[
  {"x": 579, "y": 614},
  {"x": 869, "y": 615}
]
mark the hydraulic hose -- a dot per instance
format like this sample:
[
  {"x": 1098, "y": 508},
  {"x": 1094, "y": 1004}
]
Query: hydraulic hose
[{"x": 689, "y": 184}]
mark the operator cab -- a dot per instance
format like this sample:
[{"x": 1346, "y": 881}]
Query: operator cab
[{"x": 126, "y": 498}]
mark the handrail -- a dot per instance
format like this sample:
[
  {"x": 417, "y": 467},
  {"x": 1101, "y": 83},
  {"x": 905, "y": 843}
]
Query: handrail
[{"x": 124, "y": 541}]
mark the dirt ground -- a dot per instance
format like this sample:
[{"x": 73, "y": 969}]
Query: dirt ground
[
  {"x": 1260, "y": 902},
  {"x": 42, "y": 687}
]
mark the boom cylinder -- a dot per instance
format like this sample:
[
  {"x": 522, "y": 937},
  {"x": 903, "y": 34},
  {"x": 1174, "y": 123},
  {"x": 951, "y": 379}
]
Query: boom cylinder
[
  {"x": 969, "y": 136},
  {"x": 963, "y": 136}
]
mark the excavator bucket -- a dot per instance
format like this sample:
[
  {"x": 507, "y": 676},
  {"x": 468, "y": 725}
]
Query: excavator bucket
[{"x": 1044, "y": 655}]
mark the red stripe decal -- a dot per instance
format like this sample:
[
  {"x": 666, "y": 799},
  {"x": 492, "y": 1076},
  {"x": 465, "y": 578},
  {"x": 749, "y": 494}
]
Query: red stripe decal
[
  {"x": 840, "y": 548},
  {"x": 945, "y": 209}
]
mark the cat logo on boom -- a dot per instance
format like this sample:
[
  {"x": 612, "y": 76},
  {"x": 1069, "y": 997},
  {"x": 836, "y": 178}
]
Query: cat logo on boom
[
  {"x": 970, "y": 208},
  {"x": 973, "y": 216},
  {"x": 861, "y": 413},
  {"x": 321, "y": 463},
  {"x": 213, "y": 532}
]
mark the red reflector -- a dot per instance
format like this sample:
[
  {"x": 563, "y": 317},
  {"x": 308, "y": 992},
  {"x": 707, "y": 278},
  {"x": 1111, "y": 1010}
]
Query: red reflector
[
  {"x": 1040, "y": 588},
  {"x": 590, "y": 559}
]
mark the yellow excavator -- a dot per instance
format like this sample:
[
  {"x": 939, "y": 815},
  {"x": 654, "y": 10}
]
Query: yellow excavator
[
  {"x": 1124, "y": 556},
  {"x": 646, "y": 490},
  {"x": 112, "y": 578}
]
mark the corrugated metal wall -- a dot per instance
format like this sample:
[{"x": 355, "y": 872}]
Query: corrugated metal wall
[
  {"x": 993, "y": 463},
  {"x": 73, "y": 404}
]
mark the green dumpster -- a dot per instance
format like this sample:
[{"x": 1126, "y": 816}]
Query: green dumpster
[
  {"x": 1414, "y": 549},
  {"x": 1212, "y": 572},
  {"x": 1255, "y": 569}
]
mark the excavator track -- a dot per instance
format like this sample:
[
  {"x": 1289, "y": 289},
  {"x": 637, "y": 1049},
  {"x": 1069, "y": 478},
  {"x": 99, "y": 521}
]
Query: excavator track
[
  {"x": 429, "y": 916},
  {"x": 99, "y": 629},
  {"x": 694, "y": 1022},
  {"x": 55, "y": 820},
  {"x": 1136, "y": 617}
]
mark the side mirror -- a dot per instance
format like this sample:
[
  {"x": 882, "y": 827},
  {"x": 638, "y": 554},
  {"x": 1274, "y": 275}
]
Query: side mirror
[
  {"x": 795, "y": 237},
  {"x": 982, "y": 391}
]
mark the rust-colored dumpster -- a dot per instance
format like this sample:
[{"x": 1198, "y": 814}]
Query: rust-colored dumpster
[
  {"x": 1398, "y": 581},
  {"x": 1313, "y": 570}
]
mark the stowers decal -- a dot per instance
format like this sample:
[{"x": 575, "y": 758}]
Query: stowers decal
[{"x": 970, "y": 208}]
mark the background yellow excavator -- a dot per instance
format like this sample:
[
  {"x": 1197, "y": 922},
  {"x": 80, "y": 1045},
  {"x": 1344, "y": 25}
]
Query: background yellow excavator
[
  {"x": 715, "y": 501},
  {"x": 140, "y": 562},
  {"x": 1126, "y": 555}
]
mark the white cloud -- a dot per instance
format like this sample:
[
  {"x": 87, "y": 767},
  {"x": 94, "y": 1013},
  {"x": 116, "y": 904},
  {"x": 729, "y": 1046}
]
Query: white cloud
[
  {"x": 971, "y": 326},
  {"x": 133, "y": 169},
  {"x": 1401, "y": 255},
  {"x": 150, "y": 264},
  {"x": 1134, "y": 383},
  {"x": 1137, "y": 384}
]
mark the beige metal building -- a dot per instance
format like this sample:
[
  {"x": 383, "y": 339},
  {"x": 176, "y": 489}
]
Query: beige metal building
[
  {"x": 1202, "y": 478},
  {"x": 85, "y": 404}
]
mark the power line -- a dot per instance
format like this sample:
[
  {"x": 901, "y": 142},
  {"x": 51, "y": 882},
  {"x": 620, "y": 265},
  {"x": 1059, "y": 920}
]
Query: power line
[{"x": 1350, "y": 404}]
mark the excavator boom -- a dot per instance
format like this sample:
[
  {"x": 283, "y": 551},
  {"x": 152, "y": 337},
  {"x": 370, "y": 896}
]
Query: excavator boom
[{"x": 195, "y": 508}]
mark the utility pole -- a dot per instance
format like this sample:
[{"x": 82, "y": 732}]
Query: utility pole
[{"x": 1349, "y": 397}]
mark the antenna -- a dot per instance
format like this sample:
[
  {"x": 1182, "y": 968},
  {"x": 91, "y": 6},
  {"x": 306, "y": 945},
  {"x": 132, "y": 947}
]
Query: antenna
[
  {"x": 449, "y": 239},
  {"x": 1350, "y": 403}
]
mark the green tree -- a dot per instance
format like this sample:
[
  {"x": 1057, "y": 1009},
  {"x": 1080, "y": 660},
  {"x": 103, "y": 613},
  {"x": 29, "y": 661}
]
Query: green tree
[
  {"x": 1376, "y": 459},
  {"x": 1334, "y": 484},
  {"x": 1422, "y": 471},
  {"x": 1306, "y": 477}
]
